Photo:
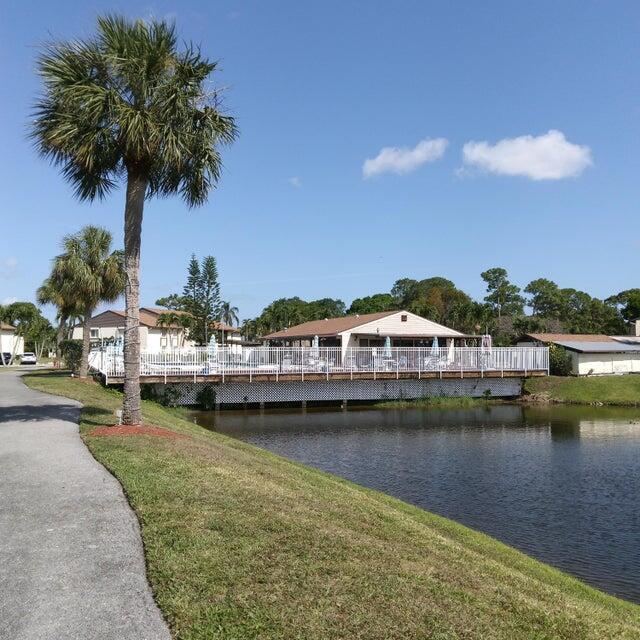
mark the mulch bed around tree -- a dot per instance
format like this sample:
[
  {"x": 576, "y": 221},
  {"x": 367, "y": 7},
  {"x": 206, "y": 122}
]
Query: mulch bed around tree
[{"x": 135, "y": 430}]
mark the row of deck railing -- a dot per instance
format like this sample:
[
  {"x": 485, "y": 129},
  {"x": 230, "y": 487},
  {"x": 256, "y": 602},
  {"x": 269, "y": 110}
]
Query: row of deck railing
[{"x": 256, "y": 361}]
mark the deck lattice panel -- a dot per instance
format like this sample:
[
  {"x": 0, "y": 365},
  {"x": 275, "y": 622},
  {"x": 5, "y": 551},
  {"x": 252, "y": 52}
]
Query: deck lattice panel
[{"x": 274, "y": 392}]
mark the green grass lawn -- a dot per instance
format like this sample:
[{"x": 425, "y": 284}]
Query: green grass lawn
[
  {"x": 243, "y": 544},
  {"x": 614, "y": 390}
]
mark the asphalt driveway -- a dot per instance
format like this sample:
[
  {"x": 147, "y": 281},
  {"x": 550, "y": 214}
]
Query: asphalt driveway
[{"x": 71, "y": 558}]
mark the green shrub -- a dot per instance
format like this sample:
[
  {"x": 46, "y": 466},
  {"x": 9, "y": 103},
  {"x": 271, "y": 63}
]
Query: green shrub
[
  {"x": 167, "y": 395},
  {"x": 559, "y": 361},
  {"x": 148, "y": 392},
  {"x": 207, "y": 398},
  {"x": 71, "y": 352},
  {"x": 170, "y": 396}
]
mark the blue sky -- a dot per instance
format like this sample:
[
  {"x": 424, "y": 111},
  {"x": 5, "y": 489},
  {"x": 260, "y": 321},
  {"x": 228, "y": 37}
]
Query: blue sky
[{"x": 463, "y": 94}]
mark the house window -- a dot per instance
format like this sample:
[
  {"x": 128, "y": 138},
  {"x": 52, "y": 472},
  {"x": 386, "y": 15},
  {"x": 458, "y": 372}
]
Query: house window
[
  {"x": 163, "y": 342},
  {"x": 403, "y": 318},
  {"x": 94, "y": 333}
]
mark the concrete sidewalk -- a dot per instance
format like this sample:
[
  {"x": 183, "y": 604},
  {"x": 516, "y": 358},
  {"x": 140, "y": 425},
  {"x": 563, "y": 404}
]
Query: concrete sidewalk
[{"x": 71, "y": 558}]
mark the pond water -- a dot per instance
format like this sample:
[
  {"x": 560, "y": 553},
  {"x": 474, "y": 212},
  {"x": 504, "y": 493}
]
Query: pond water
[{"x": 560, "y": 483}]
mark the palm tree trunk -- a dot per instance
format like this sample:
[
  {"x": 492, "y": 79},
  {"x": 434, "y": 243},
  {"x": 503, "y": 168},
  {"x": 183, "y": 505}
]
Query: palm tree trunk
[
  {"x": 136, "y": 189},
  {"x": 60, "y": 333},
  {"x": 86, "y": 342}
]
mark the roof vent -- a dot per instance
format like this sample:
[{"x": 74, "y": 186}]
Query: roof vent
[
  {"x": 357, "y": 315},
  {"x": 326, "y": 319}
]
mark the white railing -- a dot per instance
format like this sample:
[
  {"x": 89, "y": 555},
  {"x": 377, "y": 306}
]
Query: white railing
[{"x": 256, "y": 361}]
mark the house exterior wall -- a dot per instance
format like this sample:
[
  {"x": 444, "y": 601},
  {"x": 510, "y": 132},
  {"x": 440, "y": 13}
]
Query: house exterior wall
[
  {"x": 9, "y": 341},
  {"x": 151, "y": 338},
  {"x": 393, "y": 325},
  {"x": 104, "y": 333},
  {"x": 605, "y": 363}
]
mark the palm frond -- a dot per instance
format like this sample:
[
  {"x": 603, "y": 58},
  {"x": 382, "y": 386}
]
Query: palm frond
[{"x": 128, "y": 99}]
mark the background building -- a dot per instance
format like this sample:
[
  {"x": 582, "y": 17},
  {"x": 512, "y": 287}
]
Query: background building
[
  {"x": 593, "y": 354},
  {"x": 9, "y": 341},
  {"x": 403, "y": 328},
  {"x": 108, "y": 326}
]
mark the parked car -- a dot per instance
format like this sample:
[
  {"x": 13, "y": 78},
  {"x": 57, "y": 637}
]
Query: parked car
[
  {"x": 5, "y": 358},
  {"x": 28, "y": 358}
]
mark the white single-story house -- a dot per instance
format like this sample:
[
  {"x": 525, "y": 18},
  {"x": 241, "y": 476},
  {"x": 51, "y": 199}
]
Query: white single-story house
[
  {"x": 108, "y": 326},
  {"x": 9, "y": 341},
  {"x": 593, "y": 354},
  {"x": 403, "y": 328}
]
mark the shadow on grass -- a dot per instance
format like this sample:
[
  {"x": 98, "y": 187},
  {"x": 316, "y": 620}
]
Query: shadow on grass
[{"x": 97, "y": 416}]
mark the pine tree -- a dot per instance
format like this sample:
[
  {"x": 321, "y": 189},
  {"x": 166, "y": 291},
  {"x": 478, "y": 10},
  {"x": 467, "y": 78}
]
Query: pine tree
[{"x": 209, "y": 294}]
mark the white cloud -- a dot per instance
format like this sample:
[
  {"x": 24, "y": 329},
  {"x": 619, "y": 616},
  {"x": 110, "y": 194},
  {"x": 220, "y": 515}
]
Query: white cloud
[
  {"x": 547, "y": 157},
  {"x": 402, "y": 159},
  {"x": 7, "y": 301},
  {"x": 295, "y": 181}
]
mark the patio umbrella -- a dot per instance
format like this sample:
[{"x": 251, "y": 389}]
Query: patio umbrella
[
  {"x": 451, "y": 353},
  {"x": 435, "y": 346},
  {"x": 387, "y": 347},
  {"x": 212, "y": 348}
]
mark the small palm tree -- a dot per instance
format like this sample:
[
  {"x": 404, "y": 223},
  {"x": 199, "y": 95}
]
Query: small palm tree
[
  {"x": 228, "y": 313},
  {"x": 128, "y": 106},
  {"x": 88, "y": 272},
  {"x": 54, "y": 292},
  {"x": 171, "y": 320}
]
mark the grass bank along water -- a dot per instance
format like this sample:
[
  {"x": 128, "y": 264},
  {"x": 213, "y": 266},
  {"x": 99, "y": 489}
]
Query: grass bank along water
[
  {"x": 623, "y": 390},
  {"x": 437, "y": 402},
  {"x": 241, "y": 543},
  {"x": 555, "y": 481}
]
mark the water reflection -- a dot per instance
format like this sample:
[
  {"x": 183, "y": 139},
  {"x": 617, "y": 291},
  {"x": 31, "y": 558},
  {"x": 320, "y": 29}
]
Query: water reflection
[{"x": 561, "y": 483}]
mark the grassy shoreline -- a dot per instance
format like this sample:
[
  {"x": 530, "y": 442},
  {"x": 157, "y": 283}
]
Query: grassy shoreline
[
  {"x": 623, "y": 391},
  {"x": 437, "y": 402},
  {"x": 241, "y": 544}
]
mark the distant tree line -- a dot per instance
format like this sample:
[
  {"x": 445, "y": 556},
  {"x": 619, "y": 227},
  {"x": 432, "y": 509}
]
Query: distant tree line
[{"x": 501, "y": 312}]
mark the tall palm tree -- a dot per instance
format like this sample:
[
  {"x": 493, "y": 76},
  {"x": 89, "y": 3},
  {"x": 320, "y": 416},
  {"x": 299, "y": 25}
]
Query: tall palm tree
[
  {"x": 54, "y": 292},
  {"x": 91, "y": 273},
  {"x": 128, "y": 106},
  {"x": 228, "y": 313}
]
